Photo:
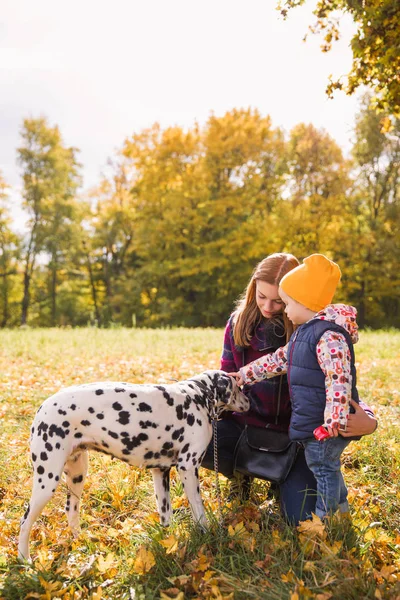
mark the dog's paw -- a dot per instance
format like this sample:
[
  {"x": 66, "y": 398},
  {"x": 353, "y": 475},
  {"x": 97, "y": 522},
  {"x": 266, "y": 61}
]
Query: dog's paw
[
  {"x": 75, "y": 531},
  {"x": 24, "y": 560}
]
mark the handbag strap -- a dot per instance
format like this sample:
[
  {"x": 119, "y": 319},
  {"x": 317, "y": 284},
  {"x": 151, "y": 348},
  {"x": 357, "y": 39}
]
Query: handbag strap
[{"x": 279, "y": 400}]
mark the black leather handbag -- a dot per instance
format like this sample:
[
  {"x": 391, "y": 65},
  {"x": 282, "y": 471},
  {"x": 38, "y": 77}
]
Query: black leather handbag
[{"x": 265, "y": 453}]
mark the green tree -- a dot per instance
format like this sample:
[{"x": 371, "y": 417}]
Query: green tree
[
  {"x": 375, "y": 45},
  {"x": 9, "y": 246},
  {"x": 51, "y": 178},
  {"x": 112, "y": 233},
  {"x": 374, "y": 280}
]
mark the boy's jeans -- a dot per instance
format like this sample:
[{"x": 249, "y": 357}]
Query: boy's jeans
[{"x": 323, "y": 459}]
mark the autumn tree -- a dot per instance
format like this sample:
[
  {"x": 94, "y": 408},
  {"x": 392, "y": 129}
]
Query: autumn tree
[
  {"x": 316, "y": 192},
  {"x": 166, "y": 188},
  {"x": 375, "y": 45},
  {"x": 202, "y": 200},
  {"x": 173, "y": 231}
]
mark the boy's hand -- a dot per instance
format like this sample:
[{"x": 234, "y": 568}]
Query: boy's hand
[
  {"x": 238, "y": 377},
  {"x": 333, "y": 429}
]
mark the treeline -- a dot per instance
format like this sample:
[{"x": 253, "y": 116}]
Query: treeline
[{"x": 170, "y": 236}]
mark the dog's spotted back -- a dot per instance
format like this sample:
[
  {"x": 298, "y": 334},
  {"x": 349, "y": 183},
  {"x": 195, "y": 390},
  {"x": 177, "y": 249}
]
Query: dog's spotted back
[{"x": 153, "y": 426}]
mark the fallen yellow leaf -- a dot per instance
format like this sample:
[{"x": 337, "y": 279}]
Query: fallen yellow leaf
[
  {"x": 144, "y": 561},
  {"x": 208, "y": 575},
  {"x": 238, "y": 530},
  {"x": 168, "y": 595},
  {"x": 104, "y": 564},
  {"x": 253, "y": 527},
  {"x": 289, "y": 577},
  {"x": 170, "y": 544},
  {"x": 312, "y": 528},
  {"x": 203, "y": 563},
  {"x": 97, "y": 595},
  {"x": 329, "y": 550}
]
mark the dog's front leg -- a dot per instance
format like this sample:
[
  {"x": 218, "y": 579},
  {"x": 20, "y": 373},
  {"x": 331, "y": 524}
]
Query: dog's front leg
[
  {"x": 190, "y": 479},
  {"x": 161, "y": 488}
]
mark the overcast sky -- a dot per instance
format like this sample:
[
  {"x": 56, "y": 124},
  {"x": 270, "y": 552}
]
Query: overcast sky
[{"x": 103, "y": 70}]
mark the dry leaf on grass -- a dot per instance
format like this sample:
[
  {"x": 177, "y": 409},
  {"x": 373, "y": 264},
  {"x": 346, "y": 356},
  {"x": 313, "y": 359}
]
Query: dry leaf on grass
[
  {"x": 170, "y": 544},
  {"x": 144, "y": 561}
]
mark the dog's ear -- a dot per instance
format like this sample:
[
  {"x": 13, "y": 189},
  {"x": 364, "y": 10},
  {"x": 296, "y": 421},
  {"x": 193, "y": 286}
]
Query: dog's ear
[{"x": 223, "y": 383}]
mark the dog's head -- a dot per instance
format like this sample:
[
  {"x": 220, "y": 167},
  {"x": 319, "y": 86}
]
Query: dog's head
[{"x": 223, "y": 390}]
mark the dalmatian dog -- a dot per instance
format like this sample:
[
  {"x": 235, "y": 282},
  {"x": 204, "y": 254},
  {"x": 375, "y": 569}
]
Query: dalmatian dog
[{"x": 152, "y": 426}]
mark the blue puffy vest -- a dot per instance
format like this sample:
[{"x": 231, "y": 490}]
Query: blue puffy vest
[{"x": 306, "y": 379}]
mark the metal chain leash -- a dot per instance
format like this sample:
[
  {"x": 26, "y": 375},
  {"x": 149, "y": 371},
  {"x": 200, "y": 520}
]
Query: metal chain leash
[
  {"x": 217, "y": 486},
  {"x": 215, "y": 419}
]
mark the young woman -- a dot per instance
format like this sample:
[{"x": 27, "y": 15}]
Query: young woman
[{"x": 257, "y": 327}]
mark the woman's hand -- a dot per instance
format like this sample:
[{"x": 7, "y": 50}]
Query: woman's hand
[
  {"x": 359, "y": 423},
  {"x": 238, "y": 377}
]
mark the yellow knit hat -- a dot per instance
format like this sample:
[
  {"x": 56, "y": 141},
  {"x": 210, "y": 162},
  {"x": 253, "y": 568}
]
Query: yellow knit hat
[{"x": 312, "y": 284}]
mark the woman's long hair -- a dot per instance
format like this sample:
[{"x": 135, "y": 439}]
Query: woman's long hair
[{"x": 247, "y": 314}]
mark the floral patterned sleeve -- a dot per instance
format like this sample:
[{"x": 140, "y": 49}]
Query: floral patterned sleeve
[
  {"x": 367, "y": 409},
  {"x": 334, "y": 358},
  {"x": 267, "y": 366}
]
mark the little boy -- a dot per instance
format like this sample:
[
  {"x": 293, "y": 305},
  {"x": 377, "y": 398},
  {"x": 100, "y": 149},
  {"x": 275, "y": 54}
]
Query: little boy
[{"x": 319, "y": 360}]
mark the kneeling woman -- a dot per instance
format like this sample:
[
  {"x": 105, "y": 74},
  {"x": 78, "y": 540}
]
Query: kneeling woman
[{"x": 259, "y": 326}]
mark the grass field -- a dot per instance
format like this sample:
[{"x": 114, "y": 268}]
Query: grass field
[{"x": 123, "y": 553}]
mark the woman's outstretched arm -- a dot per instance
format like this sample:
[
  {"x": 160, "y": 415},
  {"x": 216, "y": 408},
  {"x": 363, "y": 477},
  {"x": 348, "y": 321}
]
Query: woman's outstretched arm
[{"x": 362, "y": 422}]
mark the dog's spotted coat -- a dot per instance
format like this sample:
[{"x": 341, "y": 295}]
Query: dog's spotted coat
[{"x": 153, "y": 426}]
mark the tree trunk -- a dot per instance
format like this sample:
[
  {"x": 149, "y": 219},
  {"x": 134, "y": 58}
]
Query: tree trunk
[
  {"x": 93, "y": 288},
  {"x": 107, "y": 281},
  {"x": 6, "y": 314},
  {"x": 361, "y": 306},
  {"x": 29, "y": 266},
  {"x": 54, "y": 291},
  {"x": 26, "y": 297}
]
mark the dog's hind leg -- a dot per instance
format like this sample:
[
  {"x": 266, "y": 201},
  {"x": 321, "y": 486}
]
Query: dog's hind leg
[
  {"x": 45, "y": 482},
  {"x": 190, "y": 480},
  {"x": 161, "y": 488},
  {"x": 75, "y": 471}
]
